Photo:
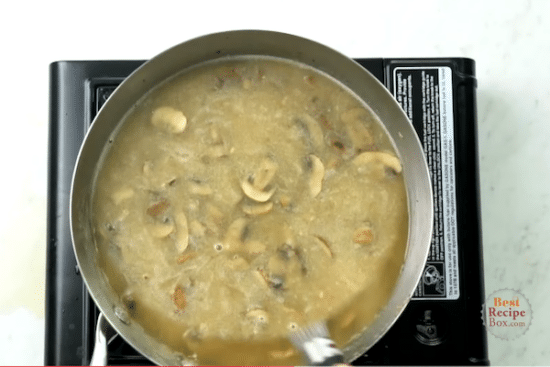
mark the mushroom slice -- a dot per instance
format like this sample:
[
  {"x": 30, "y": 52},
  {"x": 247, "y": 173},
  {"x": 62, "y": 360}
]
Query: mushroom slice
[
  {"x": 317, "y": 175},
  {"x": 314, "y": 129},
  {"x": 182, "y": 232},
  {"x": 385, "y": 158},
  {"x": 161, "y": 230},
  {"x": 265, "y": 174},
  {"x": 233, "y": 237},
  {"x": 340, "y": 144},
  {"x": 360, "y": 136},
  {"x": 258, "y": 209},
  {"x": 169, "y": 119},
  {"x": 214, "y": 218},
  {"x": 358, "y": 133},
  {"x": 255, "y": 194},
  {"x": 199, "y": 188},
  {"x": 122, "y": 194},
  {"x": 323, "y": 243}
]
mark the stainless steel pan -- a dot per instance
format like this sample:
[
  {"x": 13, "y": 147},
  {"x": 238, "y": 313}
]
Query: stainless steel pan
[{"x": 214, "y": 46}]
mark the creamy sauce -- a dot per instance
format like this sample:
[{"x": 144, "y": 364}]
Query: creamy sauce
[{"x": 245, "y": 199}]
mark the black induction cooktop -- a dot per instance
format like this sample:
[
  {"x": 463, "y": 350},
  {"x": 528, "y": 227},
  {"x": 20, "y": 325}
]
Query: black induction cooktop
[{"x": 441, "y": 325}]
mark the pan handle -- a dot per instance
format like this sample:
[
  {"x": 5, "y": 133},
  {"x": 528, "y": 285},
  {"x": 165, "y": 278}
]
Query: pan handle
[{"x": 103, "y": 336}]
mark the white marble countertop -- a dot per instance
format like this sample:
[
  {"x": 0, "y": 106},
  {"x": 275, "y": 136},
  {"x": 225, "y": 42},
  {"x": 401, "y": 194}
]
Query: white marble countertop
[{"x": 510, "y": 42}]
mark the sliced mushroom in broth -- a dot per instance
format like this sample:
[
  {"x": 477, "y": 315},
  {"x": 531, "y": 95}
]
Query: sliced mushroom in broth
[{"x": 247, "y": 198}]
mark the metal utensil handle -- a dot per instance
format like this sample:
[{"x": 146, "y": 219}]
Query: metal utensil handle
[{"x": 99, "y": 355}]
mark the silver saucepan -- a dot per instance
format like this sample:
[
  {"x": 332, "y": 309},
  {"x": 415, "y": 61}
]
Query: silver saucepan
[{"x": 237, "y": 43}]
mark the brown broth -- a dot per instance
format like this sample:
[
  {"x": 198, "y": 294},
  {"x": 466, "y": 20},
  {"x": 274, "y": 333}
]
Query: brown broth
[{"x": 201, "y": 262}]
